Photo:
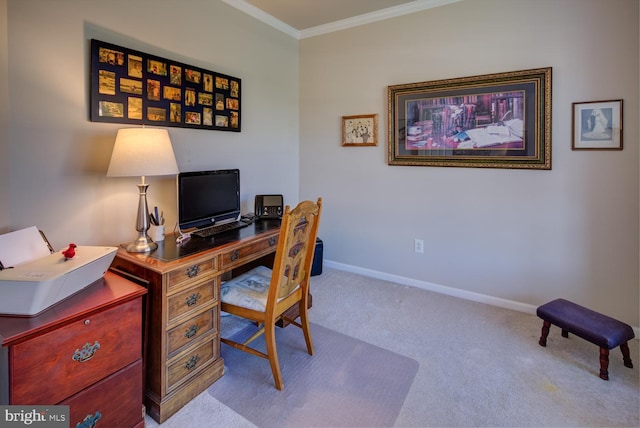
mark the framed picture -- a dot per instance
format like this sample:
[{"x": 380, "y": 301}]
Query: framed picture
[
  {"x": 134, "y": 87},
  {"x": 597, "y": 125},
  {"x": 360, "y": 130},
  {"x": 498, "y": 120}
]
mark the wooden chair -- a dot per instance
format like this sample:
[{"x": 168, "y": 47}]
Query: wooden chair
[{"x": 263, "y": 295}]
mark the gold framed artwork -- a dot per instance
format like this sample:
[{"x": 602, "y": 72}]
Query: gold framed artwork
[
  {"x": 134, "y": 87},
  {"x": 360, "y": 130},
  {"x": 500, "y": 120},
  {"x": 597, "y": 125}
]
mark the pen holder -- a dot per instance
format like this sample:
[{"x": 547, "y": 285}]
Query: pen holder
[{"x": 156, "y": 233}]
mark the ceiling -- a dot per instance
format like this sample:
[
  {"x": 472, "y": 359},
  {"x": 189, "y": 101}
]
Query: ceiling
[
  {"x": 304, "y": 14},
  {"x": 306, "y": 18}
]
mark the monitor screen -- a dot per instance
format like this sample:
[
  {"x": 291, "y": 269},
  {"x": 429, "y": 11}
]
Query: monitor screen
[{"x": 208, "y": 197}]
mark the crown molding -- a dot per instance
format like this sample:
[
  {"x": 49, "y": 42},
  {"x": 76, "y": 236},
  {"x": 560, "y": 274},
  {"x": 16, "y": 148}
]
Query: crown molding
[
  {"x": 261, "y": 15},
  {"x": 343, "y": 24}
]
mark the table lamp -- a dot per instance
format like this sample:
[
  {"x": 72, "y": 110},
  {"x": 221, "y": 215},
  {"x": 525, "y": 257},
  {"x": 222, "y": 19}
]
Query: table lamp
[{"x": 144, "y": 152}]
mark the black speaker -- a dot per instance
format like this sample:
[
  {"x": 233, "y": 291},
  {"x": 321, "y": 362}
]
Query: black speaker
[{"x": 269, "y": 206}]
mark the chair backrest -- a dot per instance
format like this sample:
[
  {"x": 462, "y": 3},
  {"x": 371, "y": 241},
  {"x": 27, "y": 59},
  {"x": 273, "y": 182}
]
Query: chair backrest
[{"x": 294, "y": 254}]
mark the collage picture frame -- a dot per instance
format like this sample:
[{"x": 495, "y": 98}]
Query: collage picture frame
[{"x": 132, "y": 87}]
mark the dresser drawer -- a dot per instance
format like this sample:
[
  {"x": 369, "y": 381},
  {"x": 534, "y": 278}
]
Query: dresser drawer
[
  {"x": 55, "y": 365},
  {"x": 189, "y": 364},
  {"x": 193, "y": 299},
  {"x": 248, "y": 252},
  {"x": 191, "y": 330},
  {"x": 193, "y": 272},
  {"x": 103, "y": 402}
]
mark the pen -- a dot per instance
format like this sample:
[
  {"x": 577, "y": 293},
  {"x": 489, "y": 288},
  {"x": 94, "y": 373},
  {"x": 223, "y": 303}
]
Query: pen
[
  {"x": 153, "y": 220},
  {"x": 161, "y": 217},
  {"x": 155, "y": 209}
]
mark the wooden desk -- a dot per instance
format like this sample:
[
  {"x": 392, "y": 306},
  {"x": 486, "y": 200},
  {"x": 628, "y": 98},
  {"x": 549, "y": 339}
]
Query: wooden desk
[
  {"x": 84, "y": 352},
  {"x": 183, "y": 342}
]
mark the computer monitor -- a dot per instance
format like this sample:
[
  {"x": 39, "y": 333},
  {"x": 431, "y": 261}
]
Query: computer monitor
[{"x": 208, "y": 197}]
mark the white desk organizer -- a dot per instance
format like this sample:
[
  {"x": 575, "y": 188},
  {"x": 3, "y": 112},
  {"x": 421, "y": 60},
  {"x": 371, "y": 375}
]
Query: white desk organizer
[{"x": 34, "y": 278}]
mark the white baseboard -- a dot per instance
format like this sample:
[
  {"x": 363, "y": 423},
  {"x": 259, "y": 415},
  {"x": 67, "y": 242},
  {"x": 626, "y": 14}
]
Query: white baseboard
[{"x": 450, "y": 291}]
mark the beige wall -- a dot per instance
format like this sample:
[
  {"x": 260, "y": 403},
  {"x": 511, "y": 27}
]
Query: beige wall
[
  {"x": 4, "y": 122},
  {"x": 59, "y": 159},
  {"x": 523, "y": 236},
  {"x": 511, "y": 236}
]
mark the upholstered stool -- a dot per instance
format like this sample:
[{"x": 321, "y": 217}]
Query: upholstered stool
[{"x": 592, "y": 326}]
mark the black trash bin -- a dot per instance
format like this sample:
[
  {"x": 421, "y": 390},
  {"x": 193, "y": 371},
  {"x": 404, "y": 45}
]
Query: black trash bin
[{"x": 316, "y": 267}]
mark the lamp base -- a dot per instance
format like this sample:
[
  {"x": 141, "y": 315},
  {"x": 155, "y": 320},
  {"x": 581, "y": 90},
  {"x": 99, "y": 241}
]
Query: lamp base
[{"x": 143, "y": 244}]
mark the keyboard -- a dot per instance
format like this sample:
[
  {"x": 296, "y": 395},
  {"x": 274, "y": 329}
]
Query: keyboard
[{"x": 219, "y": 228}]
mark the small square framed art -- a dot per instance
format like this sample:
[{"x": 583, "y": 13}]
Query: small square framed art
[
  {"x": 597, "y": 125},
  {"x": 360, "y": 130}
]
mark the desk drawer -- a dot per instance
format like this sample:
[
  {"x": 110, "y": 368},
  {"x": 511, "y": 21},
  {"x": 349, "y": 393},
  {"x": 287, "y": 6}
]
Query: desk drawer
[
  {"x": 191, "y": 330},
  {"x": 55, "y": 365},
  {"x": 189, "y": 364},
  {"x": 249, "y": 252},
  {"x": 193, "y": 272},
  {"x": 193, "y": 299},
  {"x": 112, "y": 402}
]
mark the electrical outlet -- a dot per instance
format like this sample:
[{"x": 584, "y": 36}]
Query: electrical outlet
[{"x": 418, "y": 246}]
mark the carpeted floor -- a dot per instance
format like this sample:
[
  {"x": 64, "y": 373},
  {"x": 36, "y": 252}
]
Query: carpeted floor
[
  {"x": 346, "y": 382},
  {"x": 479, "y": 365}
]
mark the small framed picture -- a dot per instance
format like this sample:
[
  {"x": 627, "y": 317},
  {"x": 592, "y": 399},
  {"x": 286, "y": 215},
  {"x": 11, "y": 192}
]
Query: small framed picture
[
  {"x": 597, "y": 125},
  {"x": 361, "y": 130}
]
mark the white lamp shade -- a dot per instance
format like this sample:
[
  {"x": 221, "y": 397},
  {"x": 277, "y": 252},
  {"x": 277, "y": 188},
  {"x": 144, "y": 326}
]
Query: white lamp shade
[{"x": 142, "y": 152}]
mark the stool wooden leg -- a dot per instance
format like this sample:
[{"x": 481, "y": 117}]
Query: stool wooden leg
[
  {"x": 604, "y": 363},
  {"x": 545, "y": 333},
  {"x": 626, "y": 357}
]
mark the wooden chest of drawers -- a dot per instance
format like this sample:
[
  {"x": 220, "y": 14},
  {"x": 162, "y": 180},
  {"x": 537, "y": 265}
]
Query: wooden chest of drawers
[
  {"x": 183, "y": 341},
  {"x": 85, "y": 352},
  {"x": 183, "y": 349}
]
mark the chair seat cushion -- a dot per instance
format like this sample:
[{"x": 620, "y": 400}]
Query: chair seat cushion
[{"x": 248, "y": 290}]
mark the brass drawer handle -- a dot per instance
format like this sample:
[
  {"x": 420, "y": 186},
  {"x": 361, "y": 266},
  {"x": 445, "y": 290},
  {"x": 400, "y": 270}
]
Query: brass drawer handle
[
  {"x": 235, "y": 255},
  {"x": 86, "y": 353},
  {"x": 193, "y": 361},
  {"x": 193, "y": 299},
  {"x": 193, "y": 271},
  {"x": 90, "y": 421},
  {"x": 191, "y": 331},
  {"x": 273, "y": 241}
]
